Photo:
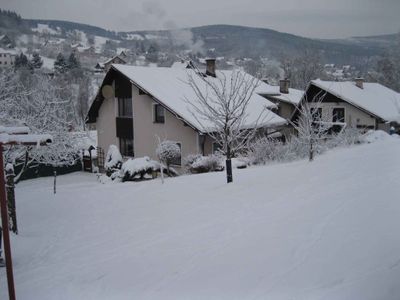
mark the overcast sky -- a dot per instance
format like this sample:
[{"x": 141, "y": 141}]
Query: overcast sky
[{"x": 310, "y": 18}]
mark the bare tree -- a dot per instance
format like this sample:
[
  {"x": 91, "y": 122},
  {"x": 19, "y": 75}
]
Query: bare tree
[
  {"x": 222, "y": 104},
  {"x": 313, "y": 124},
  {"x": 303, "y": 68}
]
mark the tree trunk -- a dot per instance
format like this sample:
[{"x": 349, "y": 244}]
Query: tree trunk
[
  {"x": 229, "y": 176},
  {"x": 311, "y": 153}
]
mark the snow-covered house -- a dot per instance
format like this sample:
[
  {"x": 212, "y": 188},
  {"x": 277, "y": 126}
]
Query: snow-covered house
[
  {"x": 6, "y": 41},
  {"x": 357, "y": 104},
  {"x": 137, "y": 106},
  {"x": 105, "y": 66},
  {"x": 7, "y": 57}
]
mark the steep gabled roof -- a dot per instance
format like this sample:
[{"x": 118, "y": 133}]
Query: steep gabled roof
[
  {"x": 169, "y": 87},
  {"x": 374, "y": 98}
]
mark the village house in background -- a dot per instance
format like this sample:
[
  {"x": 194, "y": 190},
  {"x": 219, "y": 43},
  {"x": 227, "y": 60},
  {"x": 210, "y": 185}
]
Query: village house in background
[
  {"x": 136, "y": 105},
  {"x": 106, "y": 65},
  {"x": 7, "y": 57},
  {"x": 6, "y": 41},
  {"x": 356, "y": 104}
]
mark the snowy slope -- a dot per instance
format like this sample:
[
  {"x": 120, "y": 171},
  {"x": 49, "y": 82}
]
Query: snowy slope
[{"x": 321, "y": 230}]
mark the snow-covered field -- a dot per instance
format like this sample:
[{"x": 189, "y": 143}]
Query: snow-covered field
[{"x": 322, "y": 230}]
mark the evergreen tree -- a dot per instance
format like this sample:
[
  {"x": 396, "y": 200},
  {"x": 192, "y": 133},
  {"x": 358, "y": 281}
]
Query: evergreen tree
[
  {"x": 21, "y": 61},
  {"x": 73, "y": 62},
  {"x": 60, "y": 65},
  {"x": 36, "y": 61}
]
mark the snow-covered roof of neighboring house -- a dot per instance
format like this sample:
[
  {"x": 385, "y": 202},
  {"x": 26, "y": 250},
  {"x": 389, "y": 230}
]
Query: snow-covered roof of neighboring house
[
  {"x": 294, "y": 96},
  {"x": 170, "y": 87},
  {"x": 9, "y": 51},
  {"x": 113, "y": 58},
  {"x": 373, "y": 97}
]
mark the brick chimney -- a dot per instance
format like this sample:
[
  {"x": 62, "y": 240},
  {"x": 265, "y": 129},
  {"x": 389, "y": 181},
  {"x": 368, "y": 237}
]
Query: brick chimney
[
  {"x": 359, "y": 82},
  {"x": 284, "y": 85},
  {"x": 210, "y": 69}
]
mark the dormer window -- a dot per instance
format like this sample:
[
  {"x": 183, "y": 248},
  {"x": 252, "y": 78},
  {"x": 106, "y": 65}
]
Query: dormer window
[{"x": 159, "y": 113}]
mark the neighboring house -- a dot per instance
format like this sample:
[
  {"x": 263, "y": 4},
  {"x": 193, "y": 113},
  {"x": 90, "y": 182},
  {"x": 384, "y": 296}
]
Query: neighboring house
[
  {"x": 105, "y": 66},
  {"x": 7, "y": 57},
  {"x": 82, "y": 51},
  {"x": 136, "y": 106},
  {"x": 6, "y": 42},
  {"x": 357, "y": 104}
]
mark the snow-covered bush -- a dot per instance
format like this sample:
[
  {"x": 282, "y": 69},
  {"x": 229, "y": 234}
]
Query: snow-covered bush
[
  {"x": 264, "y": 149},
  {"x": 113, "y": 160},
  {"x": 204, "y": 164},
  {"x": 168, "y": 152},
  {"x": 140, "y": 168},
  {"x": 347, "y": 137},
  {"x": 190, "y": 159},
  {"x": 375, "y": 135}
]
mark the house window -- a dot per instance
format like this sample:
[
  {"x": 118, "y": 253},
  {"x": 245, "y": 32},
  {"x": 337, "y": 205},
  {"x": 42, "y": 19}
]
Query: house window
[
  {"x": 125, "y": 107},
  {"x": 126, "y": 146},
  {"x": 159, "y": 113},
  {"x": 178, "y": 161},
  {"x": 338, "y": 115}
]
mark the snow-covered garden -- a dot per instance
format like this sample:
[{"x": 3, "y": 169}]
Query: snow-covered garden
[{"x": 291, "y": 230}]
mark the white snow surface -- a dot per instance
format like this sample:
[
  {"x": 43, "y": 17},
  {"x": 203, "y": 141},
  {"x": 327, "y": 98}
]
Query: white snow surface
[
  {"x": 321, "y": 230},
  {"x": 374, "y": 97},
  {"x": 170, "y": 86}
]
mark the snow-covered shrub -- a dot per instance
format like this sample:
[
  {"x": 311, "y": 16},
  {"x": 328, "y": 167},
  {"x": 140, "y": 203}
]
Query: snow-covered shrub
[
  {"x": 263, "y": 150},
  {"x": 113, "y": 160},
  {"x": 141, "y": 168},
  {"x": 168, "y": 152},
  {"x": 190, "y": 159},
  {"x": 375, "y": 135},
  {"x": 347, "y": 137},
  {"x": 204, "y": 164}
]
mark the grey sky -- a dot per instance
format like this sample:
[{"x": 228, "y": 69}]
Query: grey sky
[{"x": 311, "y": 18}]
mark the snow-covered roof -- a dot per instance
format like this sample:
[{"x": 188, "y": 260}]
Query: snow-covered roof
[
  {"x": 294, "y": 96},
  {"x": 170, "y": 87},
  {"x": 38, "y": 139},
  {"x": 180, "y": 65},
  {"x": 8, "y": 51},
  {"x": 373, "y": 97}
]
